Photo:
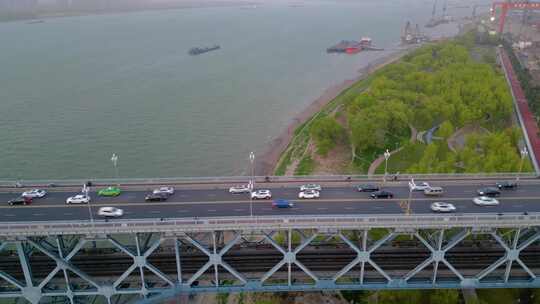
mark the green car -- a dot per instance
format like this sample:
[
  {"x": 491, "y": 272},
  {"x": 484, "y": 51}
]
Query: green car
[{"x": 109, "y": 191}]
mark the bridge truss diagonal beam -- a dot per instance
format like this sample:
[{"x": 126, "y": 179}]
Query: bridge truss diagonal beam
[{"x": 216, "y": 275}]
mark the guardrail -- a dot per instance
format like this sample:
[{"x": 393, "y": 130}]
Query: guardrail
[
  {"x": 8, "y": 183},
  {"x": 397, "y": 221}
]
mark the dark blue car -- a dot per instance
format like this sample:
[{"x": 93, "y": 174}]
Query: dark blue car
[{"x": 282, "y": 203}]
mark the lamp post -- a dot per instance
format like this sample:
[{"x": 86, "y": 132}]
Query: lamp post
[
  {"x": 251, "y": 183},
  {"x": 524, "y": 153},
  {"x": 86, "y": 190},
  {"x": 386, "y": 157},
  {"x": 114, "y": 160},
  {"x": 408, "y": 211}
]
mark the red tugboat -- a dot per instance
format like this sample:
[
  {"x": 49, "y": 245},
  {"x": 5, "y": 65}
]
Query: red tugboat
[{"x": 352, "y": 47}]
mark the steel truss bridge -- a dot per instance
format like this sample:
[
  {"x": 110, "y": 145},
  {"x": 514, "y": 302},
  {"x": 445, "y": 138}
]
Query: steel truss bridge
[{"x": 152, "y": 260}]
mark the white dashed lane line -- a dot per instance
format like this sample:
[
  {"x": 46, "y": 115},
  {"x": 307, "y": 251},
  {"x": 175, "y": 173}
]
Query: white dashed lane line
[
  {"x": 212, "y": 210},
  {"x": 349, "y": 208},
  {"x": 239, "y": 210},
  {"x": 155, "y": 211},
  {"x": 322, "y": 208},
  {"x": 38, "y": 214},
  {"x": 9, "y": 214}
]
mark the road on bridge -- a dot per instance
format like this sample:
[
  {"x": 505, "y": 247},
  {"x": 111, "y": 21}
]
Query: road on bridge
[{"x": 218, "y": 203}]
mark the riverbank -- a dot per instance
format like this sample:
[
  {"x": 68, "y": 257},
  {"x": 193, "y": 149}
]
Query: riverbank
[
  {"x": 276, "y": 147},
  {"x": 348, "y": 135},
  {"x": 51, "y": 11}
]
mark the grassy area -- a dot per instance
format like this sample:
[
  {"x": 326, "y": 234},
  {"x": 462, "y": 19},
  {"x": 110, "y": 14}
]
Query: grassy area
[
  {"x": 306, "y": 166},
  {"x": 498, "y": 295},
  {"x": 284, "y": 162},
  {"x": 402, "y": 160},
  {"x": 299, "y": 143}
]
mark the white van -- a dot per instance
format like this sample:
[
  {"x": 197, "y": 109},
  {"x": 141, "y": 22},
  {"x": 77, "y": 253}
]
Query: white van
[{"x": 434, "y": 191}]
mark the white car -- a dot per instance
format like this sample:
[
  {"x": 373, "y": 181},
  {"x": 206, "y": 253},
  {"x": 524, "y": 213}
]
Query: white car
[
  {"x": 309, "y": 194},
  {"x": 34, "y": 193},
  {"x": 164, "y": 190},
  {"x": 78, "y": 199},
  {"x": 442, "y": 207},
  {"x": 239, "y": 189},
  {"x": 261, "y": 194},
  {"x": 418, "y": 187},
  {"x": 110, "y": 212},
  {"x": 310, "y": 187},
  {"x": 485, "y": 201}
]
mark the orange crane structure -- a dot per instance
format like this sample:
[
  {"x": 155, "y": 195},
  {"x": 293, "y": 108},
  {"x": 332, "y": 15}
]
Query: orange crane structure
[{"x": 506, "y": 6}]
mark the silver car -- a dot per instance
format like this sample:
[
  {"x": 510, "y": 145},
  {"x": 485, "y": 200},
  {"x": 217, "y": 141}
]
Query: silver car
[
  {"x": 35, "y": 193},
  {"x": 485, "y": 201},
  {"x": 310, "y": 187},
  {"x": 239, "y": 189},
  {"x": 261, "y": 194},
  {"x": 442, "y": 207},
  {"x": 164, "y": 190},
  {"x": 110, "y": 212},
  {"x": 78, "y": 199},
  {"x": 309, "y": 194}
]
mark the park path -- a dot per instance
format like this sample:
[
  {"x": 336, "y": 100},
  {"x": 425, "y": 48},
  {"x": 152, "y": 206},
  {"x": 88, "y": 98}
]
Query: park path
[{"x": 379, "y": 160}]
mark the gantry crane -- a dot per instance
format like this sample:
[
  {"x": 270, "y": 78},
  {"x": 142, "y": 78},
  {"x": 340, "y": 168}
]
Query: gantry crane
[{"x": 506, "y": 6}]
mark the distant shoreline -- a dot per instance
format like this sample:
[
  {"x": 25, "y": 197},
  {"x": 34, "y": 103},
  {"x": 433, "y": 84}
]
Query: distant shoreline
[
  {"x": 51, "y": 14},
  {"x": 271, "y": 155}
]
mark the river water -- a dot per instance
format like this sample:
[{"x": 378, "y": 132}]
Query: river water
[{"x": 75, "y": 90}]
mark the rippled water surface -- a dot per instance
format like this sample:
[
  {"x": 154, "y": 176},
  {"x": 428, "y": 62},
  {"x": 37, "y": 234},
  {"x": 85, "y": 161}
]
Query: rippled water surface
[{"x": 75, "y": 90}]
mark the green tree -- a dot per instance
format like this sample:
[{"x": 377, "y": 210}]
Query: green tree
[
  {"x": 326, "y": 132},
  {"x": 444, "y": 296},
  {"x": 401, "y": 296},
  {"x": 446, "y": 130}
]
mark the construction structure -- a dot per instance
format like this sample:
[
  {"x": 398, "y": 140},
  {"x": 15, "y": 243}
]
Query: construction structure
[
  {"x": 412, "y": 36},
  {"x": 505, "y": 7},
  {"x": 444, "y": 18}
]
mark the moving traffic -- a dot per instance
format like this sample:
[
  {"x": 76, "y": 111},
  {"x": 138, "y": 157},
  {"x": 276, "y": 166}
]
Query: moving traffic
[{"x": 288, "y": 199}]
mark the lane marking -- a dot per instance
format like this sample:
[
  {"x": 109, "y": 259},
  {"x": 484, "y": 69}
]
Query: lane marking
[
  {"x": 154, "y": 211},
  {"x": 322, "y": 208},
  {"x": 239, "y": 210},
  {"x": 212, "y": 210},
  {"x": 349, "y": 208},
  {"x": 262, "y": 202},
  {"x": 68, "y": 213},
  {"x": 9, "y": 214},
  {"x": 38, "y": 214}
]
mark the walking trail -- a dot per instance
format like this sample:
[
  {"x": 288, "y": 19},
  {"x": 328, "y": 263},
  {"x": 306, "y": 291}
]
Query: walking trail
[{"x": 377, "y": 162}]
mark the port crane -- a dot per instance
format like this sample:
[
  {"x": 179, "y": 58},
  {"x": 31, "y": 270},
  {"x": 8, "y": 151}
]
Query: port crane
[{"x": 506, "y": 6}]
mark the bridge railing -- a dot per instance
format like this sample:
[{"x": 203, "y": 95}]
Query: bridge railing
[
  {"x": 491, "y": 220},
  {"x": 229, "y": 180}
]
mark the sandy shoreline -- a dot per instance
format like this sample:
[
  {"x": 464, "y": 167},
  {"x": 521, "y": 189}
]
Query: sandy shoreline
[{"x": 271, "y": 154}]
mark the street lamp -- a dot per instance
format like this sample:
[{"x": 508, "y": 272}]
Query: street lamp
[
  {"x": 524, "y": 153},
  {"x": 114, "y": 160},
  {"x": 386, "y": 157},
  {"x": 85, "y": 191},
  {"x": 251, "y": 183}
]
